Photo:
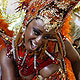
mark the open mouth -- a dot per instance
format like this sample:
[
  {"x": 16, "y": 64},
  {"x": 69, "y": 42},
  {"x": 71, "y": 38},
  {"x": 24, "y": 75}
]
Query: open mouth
[{"x": 33, "y": 45}]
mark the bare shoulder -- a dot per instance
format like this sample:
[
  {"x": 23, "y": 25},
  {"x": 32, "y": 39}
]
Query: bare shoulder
[
  {"x": 68, "y": 43},
  {"x": 7, "y": 66},
  {"x": 3, "y": 57},
  {"x": 71, "y": 52}
]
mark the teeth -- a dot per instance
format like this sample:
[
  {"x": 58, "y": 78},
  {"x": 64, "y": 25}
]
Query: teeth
[{"x": 34, "y": 44}]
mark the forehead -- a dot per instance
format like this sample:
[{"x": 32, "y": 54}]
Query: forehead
[
  {"x": 39, "y": 24},
  {"x": 36, "y": 23}
]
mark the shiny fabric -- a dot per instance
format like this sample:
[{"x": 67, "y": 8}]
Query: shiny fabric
[
  {"x": 58, "y": 75},
  {"x": 28, "y": 67}
]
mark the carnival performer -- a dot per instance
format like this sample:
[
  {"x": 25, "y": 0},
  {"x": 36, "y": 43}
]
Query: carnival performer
[{"x": 40, "y": 51}]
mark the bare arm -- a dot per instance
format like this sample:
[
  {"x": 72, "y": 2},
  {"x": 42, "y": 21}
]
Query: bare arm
[
  {"x": 7, "y": 66},
  {"x": 74, "y": 57}
]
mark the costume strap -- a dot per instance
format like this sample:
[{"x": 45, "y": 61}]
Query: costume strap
[
  {"x": 24, "y": 59},
  {"x": 62, "y": 51},
  {"x": 5, "y": 37}
]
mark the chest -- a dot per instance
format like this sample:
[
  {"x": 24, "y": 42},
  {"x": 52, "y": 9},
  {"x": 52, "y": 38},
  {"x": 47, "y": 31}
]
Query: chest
[{"x": 45, "y": 66}]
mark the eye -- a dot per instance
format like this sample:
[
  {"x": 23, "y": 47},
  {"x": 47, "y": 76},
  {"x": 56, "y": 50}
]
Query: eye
[
  {"x": 47, "y": 37},
  {"x": 36, "y": 32}
]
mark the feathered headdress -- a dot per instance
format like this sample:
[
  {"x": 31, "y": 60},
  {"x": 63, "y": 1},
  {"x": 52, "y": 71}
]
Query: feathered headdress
[{"x": 52, "y": 12}]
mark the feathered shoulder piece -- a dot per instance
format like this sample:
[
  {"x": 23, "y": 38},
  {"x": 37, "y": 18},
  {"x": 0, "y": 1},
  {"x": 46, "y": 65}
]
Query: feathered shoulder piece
[{"x": 5, "y": 33}]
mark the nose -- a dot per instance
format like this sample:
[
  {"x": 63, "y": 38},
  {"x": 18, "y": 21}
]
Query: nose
[{"x": 39, "y": 40}]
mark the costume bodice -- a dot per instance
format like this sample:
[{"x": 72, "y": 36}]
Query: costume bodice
[{"x": 28, "y": 66}]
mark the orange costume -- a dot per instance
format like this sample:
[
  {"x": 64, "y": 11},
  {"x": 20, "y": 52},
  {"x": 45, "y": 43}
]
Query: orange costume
[
  {"x": 54, "y": 15},
  {"x": 41, "y": 63},
  {"x": 27, "y": 67}
]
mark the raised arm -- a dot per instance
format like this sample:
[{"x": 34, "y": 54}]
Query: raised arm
[
  {"x": 7, "y": 66},
  {"x": 74, "y": 57}
]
